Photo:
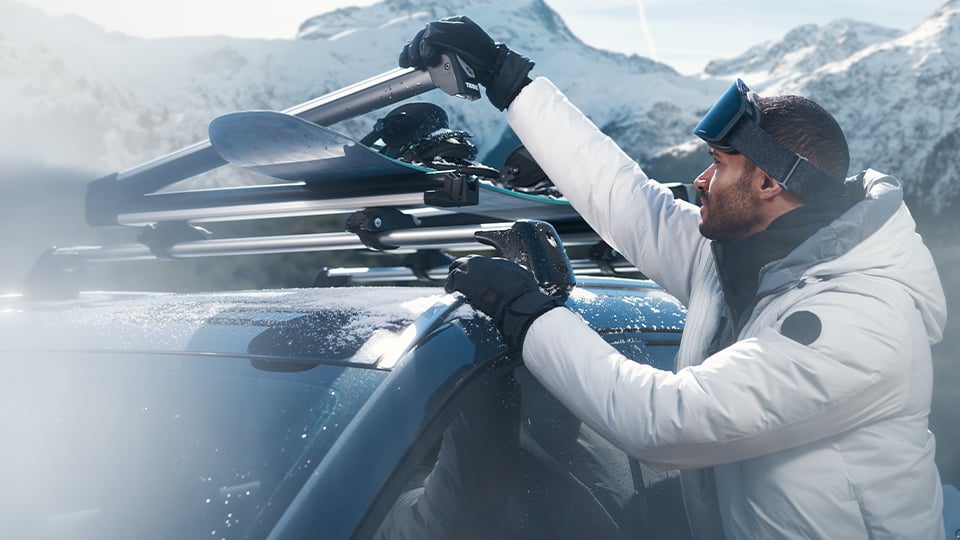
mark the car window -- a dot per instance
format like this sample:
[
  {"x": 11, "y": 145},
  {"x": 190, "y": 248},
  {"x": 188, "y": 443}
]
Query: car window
[
  {"x": 516, "y": 463},
  {"x": 126, "y": 445}
]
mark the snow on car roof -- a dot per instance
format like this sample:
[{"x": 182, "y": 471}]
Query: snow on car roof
[{"x": 328, "y": 323}]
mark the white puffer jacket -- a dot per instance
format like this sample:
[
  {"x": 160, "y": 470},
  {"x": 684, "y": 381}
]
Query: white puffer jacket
[{"x": 821, "y": 440}]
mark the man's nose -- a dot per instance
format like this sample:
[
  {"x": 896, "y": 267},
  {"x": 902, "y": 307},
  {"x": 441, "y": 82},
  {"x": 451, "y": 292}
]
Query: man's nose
[{"x": 702, "y": 183}]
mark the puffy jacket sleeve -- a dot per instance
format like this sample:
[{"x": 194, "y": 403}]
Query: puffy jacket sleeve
[
  {"x": 761, "y": 395},
  {"x": 638, "y": 217}
]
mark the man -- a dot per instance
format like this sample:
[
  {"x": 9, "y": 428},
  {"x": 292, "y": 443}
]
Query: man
[{"x": 804, "y": 378}]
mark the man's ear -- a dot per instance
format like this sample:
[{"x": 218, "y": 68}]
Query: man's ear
[{"x": 769, "y": 187}]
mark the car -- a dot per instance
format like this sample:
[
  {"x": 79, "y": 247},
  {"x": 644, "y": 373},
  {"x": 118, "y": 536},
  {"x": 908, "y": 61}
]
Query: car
[
  {"x": 360, "y": 407},
  {"x": 299, "y": 413}
]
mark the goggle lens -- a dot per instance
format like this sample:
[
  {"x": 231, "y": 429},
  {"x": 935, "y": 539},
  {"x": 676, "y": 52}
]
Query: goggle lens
[{"x": 721, "y": 119}]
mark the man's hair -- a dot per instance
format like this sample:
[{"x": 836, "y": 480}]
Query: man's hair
[{"x": 804, "y": 127}]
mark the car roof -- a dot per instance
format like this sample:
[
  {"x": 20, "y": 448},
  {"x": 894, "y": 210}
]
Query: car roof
[
  {"x": 319, "y": 324},
  {"x": 356, "y": 325}
]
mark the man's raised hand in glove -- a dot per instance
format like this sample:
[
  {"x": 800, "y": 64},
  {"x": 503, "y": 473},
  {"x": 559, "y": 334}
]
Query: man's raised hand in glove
[
  {"x": 502, "y": 289},
  {"x": 501, "y": 71}
]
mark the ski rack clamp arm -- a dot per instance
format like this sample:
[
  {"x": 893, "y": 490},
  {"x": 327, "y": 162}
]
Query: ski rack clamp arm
[{"x": 455, "y": 77}]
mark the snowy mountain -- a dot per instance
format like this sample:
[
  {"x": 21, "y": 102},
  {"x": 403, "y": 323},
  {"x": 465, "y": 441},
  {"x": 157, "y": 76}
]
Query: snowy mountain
[
  {"x": 110, "y": 101},
  {"x": 645, "y": 105},
  {"x": 803, "y": 50},
  {"x": 78, "y": 96},
  {"x": 899, "y": 104}
]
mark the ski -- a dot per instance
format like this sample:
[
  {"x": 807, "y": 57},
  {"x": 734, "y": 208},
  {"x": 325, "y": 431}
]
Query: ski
[
  {"x": 286, "y": 147},
  {"x": 112, "y": 194}
]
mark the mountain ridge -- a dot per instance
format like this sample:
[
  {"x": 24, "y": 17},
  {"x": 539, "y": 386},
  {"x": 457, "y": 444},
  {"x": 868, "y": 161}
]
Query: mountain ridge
[
  {"x": 803, "y": 49},
  {"x": 899, "y": 104},
  {"x": 110, "y": 101}
]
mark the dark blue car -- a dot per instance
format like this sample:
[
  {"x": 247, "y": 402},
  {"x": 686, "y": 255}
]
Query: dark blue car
[{"x": 312, "y": 413}]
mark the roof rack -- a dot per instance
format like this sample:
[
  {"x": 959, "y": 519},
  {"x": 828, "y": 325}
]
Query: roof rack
[{"x": 426, "y": 212}]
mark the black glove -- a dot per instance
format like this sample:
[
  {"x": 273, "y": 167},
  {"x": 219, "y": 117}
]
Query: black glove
[
  {"x": 501, "y": 71},
  {"x": 502, "y": 289}
]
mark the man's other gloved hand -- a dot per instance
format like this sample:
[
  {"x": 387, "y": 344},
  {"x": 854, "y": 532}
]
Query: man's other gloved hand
[
  {"x": 501, "y": 71},
  {"x": 502, "y": 289}
]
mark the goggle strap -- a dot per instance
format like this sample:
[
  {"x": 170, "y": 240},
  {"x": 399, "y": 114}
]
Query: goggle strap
[{"x": 788, "y": 168}]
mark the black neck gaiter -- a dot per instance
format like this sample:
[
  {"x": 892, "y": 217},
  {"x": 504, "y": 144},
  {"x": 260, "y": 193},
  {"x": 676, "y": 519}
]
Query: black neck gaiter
[{"x": 739, "y": 261}]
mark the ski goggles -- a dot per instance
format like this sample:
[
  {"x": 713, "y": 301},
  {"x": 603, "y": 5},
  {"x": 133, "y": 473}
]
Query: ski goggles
[
  {"x": 738, "y": 103},
  {"x": 732, "y": 126}
]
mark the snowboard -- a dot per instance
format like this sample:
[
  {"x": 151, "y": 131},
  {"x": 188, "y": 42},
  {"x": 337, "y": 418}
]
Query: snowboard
[{"x": 287, "y": 147}]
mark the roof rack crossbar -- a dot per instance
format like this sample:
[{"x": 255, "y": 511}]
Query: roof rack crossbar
[
  {"x": 459, "y": 237},
  {"x": 362, "y": 274}
]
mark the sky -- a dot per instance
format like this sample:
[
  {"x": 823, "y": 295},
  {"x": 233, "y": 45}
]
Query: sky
[{"x": 685, "y": 34}]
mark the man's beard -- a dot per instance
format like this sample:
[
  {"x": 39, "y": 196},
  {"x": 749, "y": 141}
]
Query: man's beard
[{"x": 731, "y": 214}]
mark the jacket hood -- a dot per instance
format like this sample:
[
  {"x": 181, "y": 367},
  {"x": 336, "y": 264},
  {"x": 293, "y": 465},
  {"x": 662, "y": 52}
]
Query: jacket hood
[{"x": 875, "y": 237}]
